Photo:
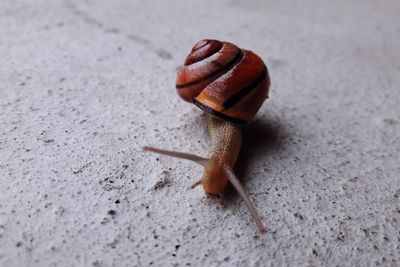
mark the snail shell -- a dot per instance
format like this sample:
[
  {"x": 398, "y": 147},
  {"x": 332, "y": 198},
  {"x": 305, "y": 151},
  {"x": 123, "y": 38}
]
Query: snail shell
[{"x": 223, "y": 80}]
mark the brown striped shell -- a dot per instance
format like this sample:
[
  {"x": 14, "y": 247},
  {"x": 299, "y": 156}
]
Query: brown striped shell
[{"x": 224, "y": 80}]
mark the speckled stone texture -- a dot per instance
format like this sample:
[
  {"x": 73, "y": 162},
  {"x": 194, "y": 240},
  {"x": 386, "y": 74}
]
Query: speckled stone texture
[{"x": 85, "y": 84}]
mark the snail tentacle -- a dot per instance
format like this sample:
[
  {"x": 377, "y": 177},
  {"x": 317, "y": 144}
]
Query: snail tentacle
[
  {"x": 239, "y": 188},
  {"x": 175, "y": 154}
]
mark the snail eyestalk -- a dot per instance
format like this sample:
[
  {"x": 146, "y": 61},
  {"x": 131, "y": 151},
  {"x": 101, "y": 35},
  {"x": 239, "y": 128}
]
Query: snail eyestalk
[
  {"x": 181, "y": 155},
  {"x": 239, "y": 188}
]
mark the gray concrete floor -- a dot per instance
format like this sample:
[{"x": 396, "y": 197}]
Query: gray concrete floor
[{"x": 85, "y": 84}]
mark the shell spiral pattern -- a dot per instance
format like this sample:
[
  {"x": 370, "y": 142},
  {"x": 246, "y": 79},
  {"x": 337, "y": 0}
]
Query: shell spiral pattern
[{"x": 224, "y": 80}]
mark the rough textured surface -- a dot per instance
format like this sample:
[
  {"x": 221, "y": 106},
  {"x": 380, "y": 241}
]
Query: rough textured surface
[{"x": 84, "y": 84}]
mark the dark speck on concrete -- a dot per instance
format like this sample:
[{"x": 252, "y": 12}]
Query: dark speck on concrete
[
  {"x": 111, "y": 212},
  {"x": 96, "y": 263},
  {"x": 297, "y": 215},
  {"x": 47, "y": 141},
  {"x": 314, "y": 251}
]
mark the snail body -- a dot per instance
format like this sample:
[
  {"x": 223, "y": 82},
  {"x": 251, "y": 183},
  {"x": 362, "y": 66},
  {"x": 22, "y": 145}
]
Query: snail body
[
  {"x": 229, "y": 84},
  {"x": 225, "y": 147}
]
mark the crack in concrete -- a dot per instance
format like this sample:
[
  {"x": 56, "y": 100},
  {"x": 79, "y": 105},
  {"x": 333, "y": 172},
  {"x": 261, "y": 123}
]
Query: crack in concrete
[
  {"x": 89, "y": 20},
  {"x": 80, "y": 170}
]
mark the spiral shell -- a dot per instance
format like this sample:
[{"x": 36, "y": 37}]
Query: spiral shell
[{"x": 224, "y": 80}]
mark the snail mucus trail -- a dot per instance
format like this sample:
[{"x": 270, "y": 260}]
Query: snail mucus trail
[{"x": 229, "y": 84}]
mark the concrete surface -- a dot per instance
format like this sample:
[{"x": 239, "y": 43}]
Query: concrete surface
[{"x": 84, "y": 84}]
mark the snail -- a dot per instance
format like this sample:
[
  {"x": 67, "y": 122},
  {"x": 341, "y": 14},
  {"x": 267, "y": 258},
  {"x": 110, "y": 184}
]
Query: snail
[{"x": 229, "y": 84}]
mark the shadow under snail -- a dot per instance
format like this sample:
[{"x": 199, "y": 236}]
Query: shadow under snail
[{"x": 229, "y": 84}]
